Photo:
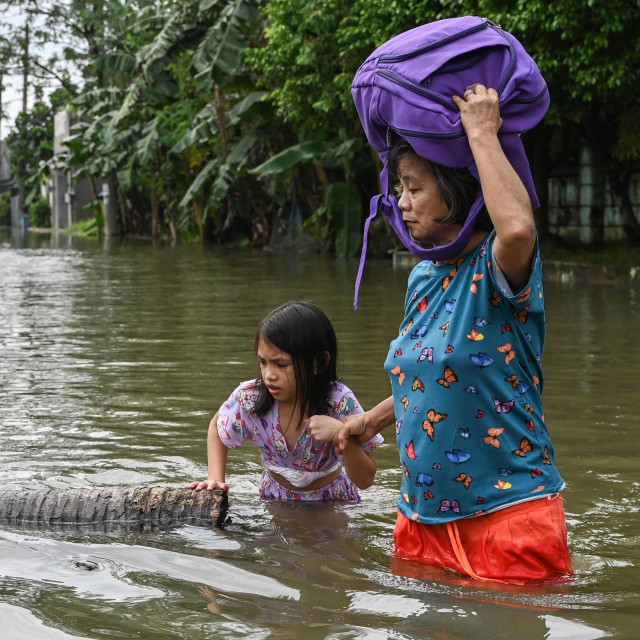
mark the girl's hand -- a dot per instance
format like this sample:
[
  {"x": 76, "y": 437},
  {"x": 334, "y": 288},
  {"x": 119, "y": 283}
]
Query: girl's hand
[
  {"x": 479, "y": 111},
  {"x": 324, "y": 428},
  {"x": 208, "y": 484}
]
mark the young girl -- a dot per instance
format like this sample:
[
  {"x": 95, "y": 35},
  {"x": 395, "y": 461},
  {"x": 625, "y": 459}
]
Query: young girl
[{"x": 297, "y": 351}]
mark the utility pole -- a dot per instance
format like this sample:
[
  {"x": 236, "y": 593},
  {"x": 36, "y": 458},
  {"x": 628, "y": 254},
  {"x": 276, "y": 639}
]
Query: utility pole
[
  {"x": 25, "y": 67},
  {"x": 1, "y": 88}
]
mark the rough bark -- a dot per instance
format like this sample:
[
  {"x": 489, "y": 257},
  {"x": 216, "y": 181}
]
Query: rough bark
[{"x": 125, "y": 505}]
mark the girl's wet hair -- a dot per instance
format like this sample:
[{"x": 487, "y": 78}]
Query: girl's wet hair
[
  {"x": 303, "y": 331},
  {"x": 457, "y": 186}
]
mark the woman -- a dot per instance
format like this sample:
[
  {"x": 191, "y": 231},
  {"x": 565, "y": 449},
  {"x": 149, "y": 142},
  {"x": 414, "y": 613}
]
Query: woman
[{"x": 480, "y": 490}]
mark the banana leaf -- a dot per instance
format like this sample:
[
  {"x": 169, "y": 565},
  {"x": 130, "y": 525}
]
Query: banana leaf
[
  {"x": 194, "y": 188},
  {"x": 292, "y": 156},
  {"x": 172, "y": 33},
  {"x": 203, "y": 132},
  {"x": 117, "y": 63},
  {"x": 239, "y": 110},
  {"x": 148, "y": 144},
  {"x": 228, "y": 171},
  {"x": 219, "y": 55}
]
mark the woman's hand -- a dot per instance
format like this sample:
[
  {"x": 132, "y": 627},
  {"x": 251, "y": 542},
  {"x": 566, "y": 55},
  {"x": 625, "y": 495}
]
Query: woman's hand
[
  {"x": 479, "y": 111},
  {"x": 209, "y": 485},
  {"x": 353, "y": 425},
  {"x": 327, "y": 429},
  {"x": 367, "y": 425}
]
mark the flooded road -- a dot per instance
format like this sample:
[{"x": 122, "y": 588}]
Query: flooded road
[{"x": 113, "y": 357}]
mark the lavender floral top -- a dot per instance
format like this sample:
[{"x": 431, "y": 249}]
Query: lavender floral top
[{"x": 307, "y": 461}]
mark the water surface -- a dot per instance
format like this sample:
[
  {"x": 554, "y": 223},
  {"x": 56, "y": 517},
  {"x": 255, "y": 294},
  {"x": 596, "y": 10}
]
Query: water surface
[{"x": 114, "y": 356}]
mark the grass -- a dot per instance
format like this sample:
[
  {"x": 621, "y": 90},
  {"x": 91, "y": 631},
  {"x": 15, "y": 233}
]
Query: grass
[{"x": 84, "y": 229}]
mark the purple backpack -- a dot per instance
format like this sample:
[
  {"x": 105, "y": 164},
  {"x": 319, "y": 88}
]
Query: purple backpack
[{"x": 405, "y": 86}]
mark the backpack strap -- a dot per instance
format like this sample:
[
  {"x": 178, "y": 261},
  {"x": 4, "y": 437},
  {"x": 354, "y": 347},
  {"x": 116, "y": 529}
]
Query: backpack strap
[{"x": 388, "y": 205}]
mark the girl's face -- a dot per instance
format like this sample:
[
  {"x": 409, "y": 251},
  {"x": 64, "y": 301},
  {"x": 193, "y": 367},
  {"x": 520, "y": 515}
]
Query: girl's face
[
  {"x": 422, "y": 205},
  {"x": 278, "y": 375}
]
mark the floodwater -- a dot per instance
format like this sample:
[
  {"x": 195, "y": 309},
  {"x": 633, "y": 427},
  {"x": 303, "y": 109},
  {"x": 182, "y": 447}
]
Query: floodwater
[{"x": 114, "y": 356}]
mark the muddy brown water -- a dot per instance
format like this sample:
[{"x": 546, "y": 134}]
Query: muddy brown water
[{"x": 113, "y": 357}]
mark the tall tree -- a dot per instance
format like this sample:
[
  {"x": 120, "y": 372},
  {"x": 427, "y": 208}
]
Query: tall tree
[
  {"x": 589, "y": 57},
  {"x": 31, "y": 143}
]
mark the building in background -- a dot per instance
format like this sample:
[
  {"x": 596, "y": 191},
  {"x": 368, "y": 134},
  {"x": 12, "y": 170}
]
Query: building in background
[
  {"x": 582, "y": 209},
  {"x": 6, "y": 181},
  {"x": 69, "y": 196}
]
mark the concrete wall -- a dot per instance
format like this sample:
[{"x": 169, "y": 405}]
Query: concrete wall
[
  {"x": 5, "y": 167},
  {"x": 581, "y": 206},
  {"x": 68, "y": 196},
  {"x": 16, "y": 210}
]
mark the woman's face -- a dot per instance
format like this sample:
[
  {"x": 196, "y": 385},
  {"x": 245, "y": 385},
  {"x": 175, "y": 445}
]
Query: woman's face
[{"x": 422, "y": 205}]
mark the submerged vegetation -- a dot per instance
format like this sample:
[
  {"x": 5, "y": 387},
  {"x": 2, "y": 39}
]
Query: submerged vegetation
[{"x": 226, "y": 120}]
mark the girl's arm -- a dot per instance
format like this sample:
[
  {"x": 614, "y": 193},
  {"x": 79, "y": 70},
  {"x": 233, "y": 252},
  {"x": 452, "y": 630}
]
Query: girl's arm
[
  {"x": 216, "y": 461},
  {"x": 360, "y": 466},
  {"x": 505, "y": 195}
]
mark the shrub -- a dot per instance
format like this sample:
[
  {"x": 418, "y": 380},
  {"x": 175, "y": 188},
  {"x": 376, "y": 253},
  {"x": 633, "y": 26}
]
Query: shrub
[
  {"x": 40, "y": 213},
  {"x": 5, "y": 209}
]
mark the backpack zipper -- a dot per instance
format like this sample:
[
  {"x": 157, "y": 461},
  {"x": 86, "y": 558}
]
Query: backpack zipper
[
  {"x": 512, "y": 60},
  {"x": 532, "y": 100},
  {"x": 403, "y": 82},
  {"x": 461, "y": 66},
  {"x": 405, "y": 56},
  {"x": 398, "y": 79},
  {"x": 430, "y": 136}
]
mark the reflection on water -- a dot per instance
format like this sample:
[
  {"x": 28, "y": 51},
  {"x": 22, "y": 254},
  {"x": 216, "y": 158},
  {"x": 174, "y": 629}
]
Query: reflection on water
[{"x": 113, "y": 358}]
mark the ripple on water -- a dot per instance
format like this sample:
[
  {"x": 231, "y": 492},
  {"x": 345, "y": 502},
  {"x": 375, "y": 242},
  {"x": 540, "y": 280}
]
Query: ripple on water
[{"x": 114, "y": 358}]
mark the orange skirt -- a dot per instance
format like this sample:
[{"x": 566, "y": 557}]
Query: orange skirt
[{"x": 518, "y": 544}]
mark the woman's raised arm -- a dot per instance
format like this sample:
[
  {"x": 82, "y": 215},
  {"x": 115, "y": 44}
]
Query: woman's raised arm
[{"x": 505, "y": 195}]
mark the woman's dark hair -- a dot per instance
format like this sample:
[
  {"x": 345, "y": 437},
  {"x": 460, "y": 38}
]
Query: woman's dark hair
[
  {"x": 458, "y": 187},
  {"x": 304, "y": 332}
]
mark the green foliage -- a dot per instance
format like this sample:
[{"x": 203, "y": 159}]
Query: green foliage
[
  {"x": 40, "y": 213},
  {"x": 91, "y": 228},
  {"x": 590, "y": 59},
  {"x": 212, "y": 108},
  {"x": 219, "y": 54},
  {"x": 292, "y": 156},
  {"x": 162, "y": 122},
  {"x": 31, "y": 143},
  {"x": 342, "y": 204},
  {"x": 5, "y": 209},
  {"x": 312, "y": 50},
  {"x": 300, "y": 64}
]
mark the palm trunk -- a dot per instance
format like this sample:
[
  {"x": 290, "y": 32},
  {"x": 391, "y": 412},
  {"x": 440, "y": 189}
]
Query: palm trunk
[
  {"x": 198, "y": 214},
  {"x": 173, "y": 227},
  {"x": 155, "y": 210},
  {"x": 224, "y": 149},
  {"x": 154, "y": 505}
]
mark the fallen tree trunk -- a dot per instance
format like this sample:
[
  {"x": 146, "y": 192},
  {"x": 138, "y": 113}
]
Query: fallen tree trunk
[{"x": 126, "y": 505}]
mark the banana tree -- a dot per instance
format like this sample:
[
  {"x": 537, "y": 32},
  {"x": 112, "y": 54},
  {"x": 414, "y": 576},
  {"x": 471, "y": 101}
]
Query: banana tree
[
  {"x": 210, "y": 36},
  {"x": 341, "y": 207}
]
